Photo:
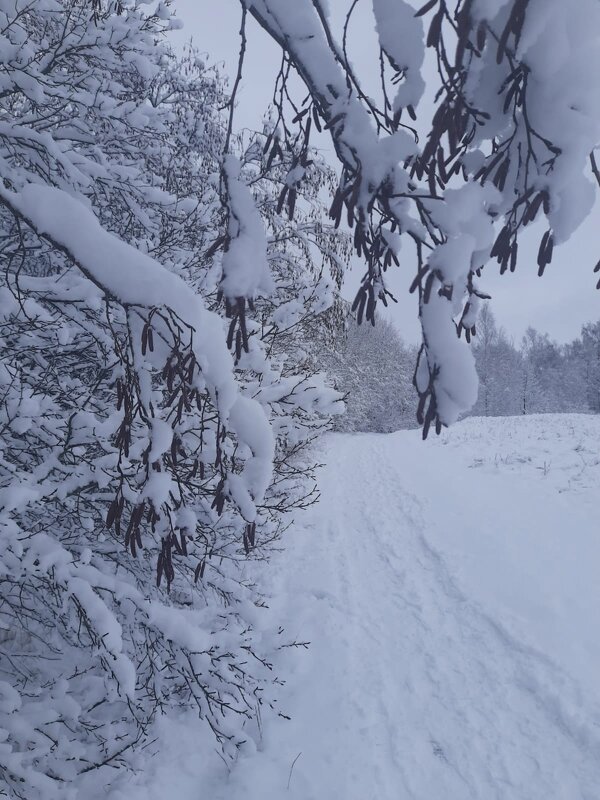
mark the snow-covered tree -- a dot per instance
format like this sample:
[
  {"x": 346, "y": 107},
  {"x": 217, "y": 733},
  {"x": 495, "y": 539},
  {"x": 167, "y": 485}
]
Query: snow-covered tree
[
  {"x": 498, "y": 367},
  {"x": 590, "y": 352},
  {"x": 549, "y": 378},
  {"x": 487, "y": 338},
  {"x": 574, "y": 377},
  {"x": 148, "y": 445},
  {"x": 517, "y": 117},
  {"x": 542, "y": 376},
  {"x": 161, "y": 278},
  {"x": 373, "y": 368}
]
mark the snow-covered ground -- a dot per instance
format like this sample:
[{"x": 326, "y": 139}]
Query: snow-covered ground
[{"x": 451, "y": 593}]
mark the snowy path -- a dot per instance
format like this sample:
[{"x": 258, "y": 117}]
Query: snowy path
[
  {"x": 411, "y": 691},
  {"x": 454, "y": 649}
]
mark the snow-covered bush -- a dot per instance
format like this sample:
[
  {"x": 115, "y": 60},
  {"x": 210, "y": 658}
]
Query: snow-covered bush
[{"x": 145, "y": 453}]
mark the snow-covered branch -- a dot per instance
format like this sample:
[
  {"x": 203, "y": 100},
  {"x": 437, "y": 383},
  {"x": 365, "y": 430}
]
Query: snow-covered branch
[{"x": 510, "y": 137}]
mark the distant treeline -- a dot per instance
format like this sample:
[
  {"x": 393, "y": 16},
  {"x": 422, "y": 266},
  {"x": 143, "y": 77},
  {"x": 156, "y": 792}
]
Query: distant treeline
[{"x": 374, "y": 368}]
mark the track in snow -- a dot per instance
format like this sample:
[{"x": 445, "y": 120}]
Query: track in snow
[{"x": 408, "y": 690}]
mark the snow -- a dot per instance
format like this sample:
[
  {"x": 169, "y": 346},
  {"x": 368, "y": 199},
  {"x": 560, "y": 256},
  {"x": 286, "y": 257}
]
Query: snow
[
  {"x": 560, "y": 48},
  {"x": 354, "y": 136},
  {"x": 543, "y": 142},
  {"x": 377, "y": 161},
  {"x": 533, "y": 561},
  {"x": 162, "y": 436},
  {"x": 249, "y": 421},
  {"x": 245, "y": 265},
  {"x": 108, "y": 631},
  {"x": 126, "y": 273},
  {"x": 135, "y": 278},
  {"x": 456, "y": 382},
  {"x": 401, "y": 38},
  {"x": 449, "y": 591}
]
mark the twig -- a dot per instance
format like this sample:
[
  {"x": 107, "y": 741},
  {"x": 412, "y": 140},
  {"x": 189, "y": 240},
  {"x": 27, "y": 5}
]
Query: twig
[
  {"x": 291, "y": 768},
  {"x": 238, "y": 78}
]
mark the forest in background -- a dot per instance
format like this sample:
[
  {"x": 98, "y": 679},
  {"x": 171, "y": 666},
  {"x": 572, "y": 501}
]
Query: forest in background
[{"x": 373, "y": 368}]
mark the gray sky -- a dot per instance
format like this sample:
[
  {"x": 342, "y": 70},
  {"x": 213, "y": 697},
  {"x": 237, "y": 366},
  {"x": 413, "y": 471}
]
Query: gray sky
[{"x": 559, "y": 303}]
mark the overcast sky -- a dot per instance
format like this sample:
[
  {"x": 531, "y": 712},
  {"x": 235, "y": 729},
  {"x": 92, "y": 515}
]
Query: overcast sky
[{"x": 559, "y": 303}]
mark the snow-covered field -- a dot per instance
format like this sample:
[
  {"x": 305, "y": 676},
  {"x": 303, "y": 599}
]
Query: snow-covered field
[{"x": 451, "y": 594}]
